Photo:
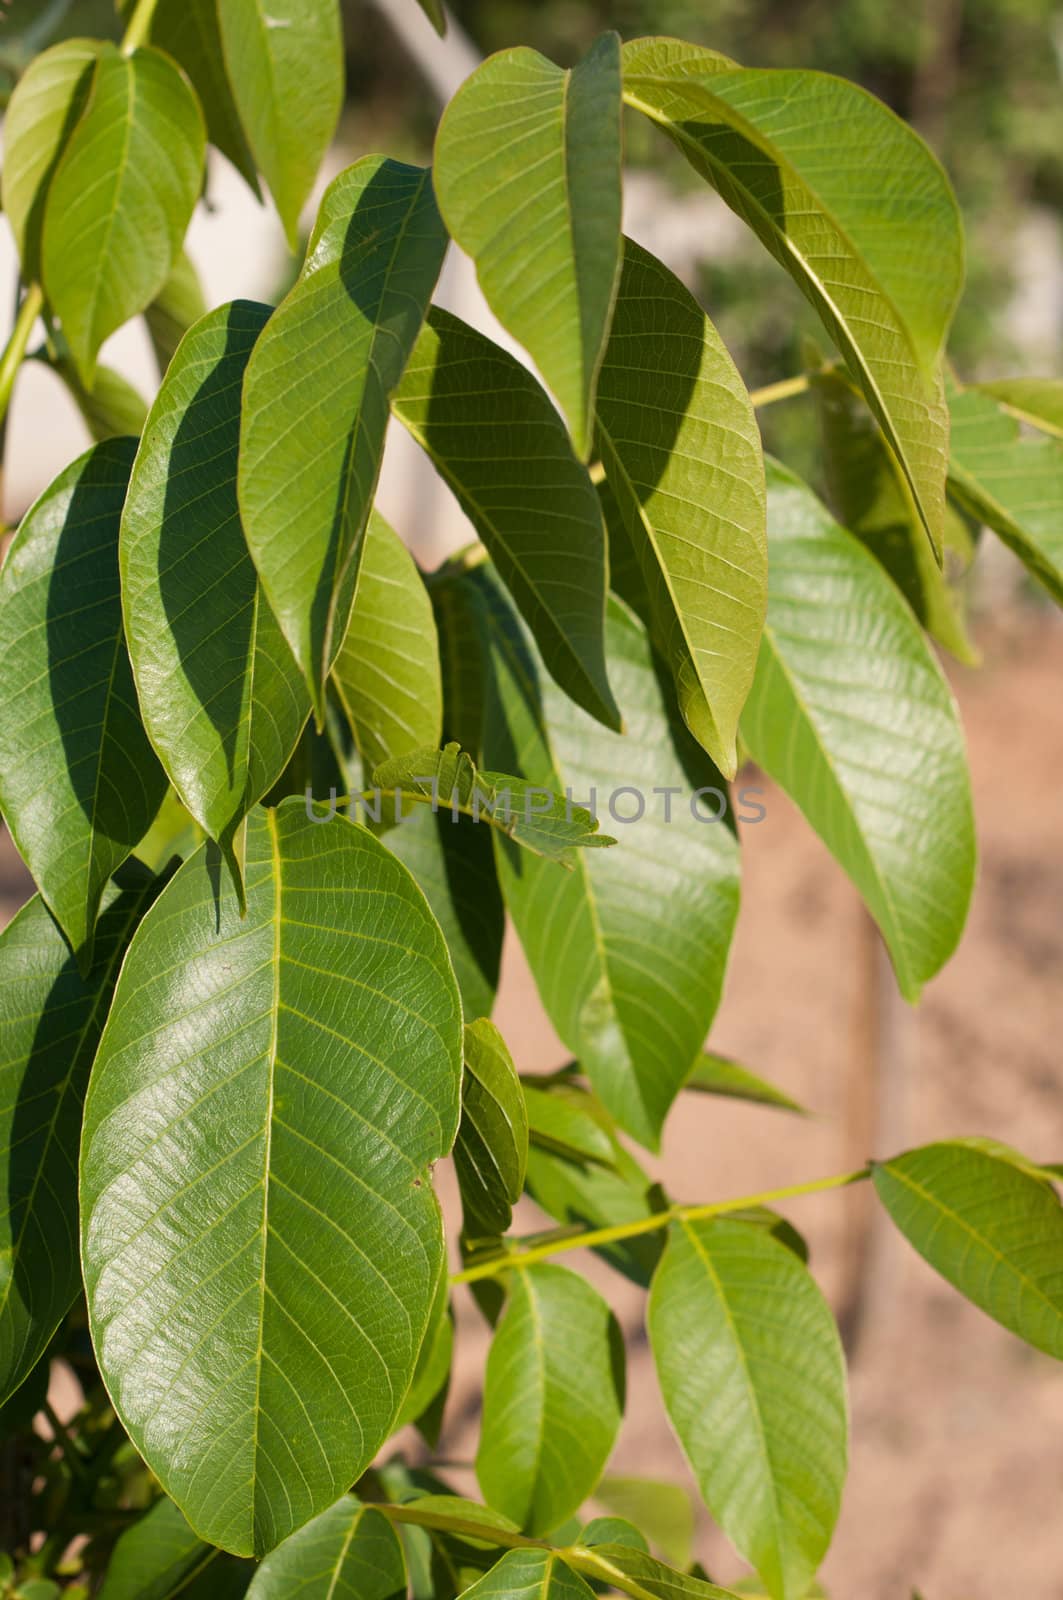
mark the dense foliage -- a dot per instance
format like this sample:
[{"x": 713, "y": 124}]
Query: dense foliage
[{"x": 240, "y": 1024}]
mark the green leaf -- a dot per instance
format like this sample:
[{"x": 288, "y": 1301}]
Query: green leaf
[
  {"x": 111, "y": 408},
  {"x": 387, "y": 671},
  {"x": 560, "y": 1120},
  {"x": 51, "y": 1019},
  {"x": 528, "y": 497},
  {"x": 636, "y": 1573},
  {"x": 79, "y": 782},
  {"x": 222, "y": 699},
  {"x": 851, "y": 202},
  {"x": 852, "y": 716},
  {"x": 190, "y": 31},
  {"x": 612, "y": 1530},
  {"x": 349, "y": 1552},
  {"x": 991, "y": 1227},
  {"x": 629, "y": 950},
  {"x": 160, "y": 1556},
  {"x": 42, "y": 114},
  {"x": 454, "y": 865},
  {"x": 553, "y": 1398},
  {"x": 492, "y": 1148},
  {"x": 870, "y": 496},
  {"x": 432, "y": 1372},
  {"x": 110, "y": 240},
  {"x": 664, "y": 1512},
  {"x": 1036, "y": 401},
  {"x": 753, "y": 1378},
  {"x": 685, "y": 472},
  {"x": 433, "y": 10},
  {"x": 529, "y": 814},
  {"x": 530, "y": 1575},
  {"x": 260, "y": 1240},
  {"x": 527, "y": 169},
  {"x": 179, "y": 303},
  {"x": 285, "y": 68},
  {"x": 313, "y": 425},
  {"x": 1011, "y": 483},
  {"x": 457, "y": 612},
  {"x": 713, "y": 1074}
]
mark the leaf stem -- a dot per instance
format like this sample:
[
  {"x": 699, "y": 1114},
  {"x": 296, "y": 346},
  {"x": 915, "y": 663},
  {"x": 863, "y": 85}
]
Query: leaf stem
[
  {"x": 139, "y": 27},
  {"x": 15, "y": 349},
  {"x": 592, "y": 1238},
  {"x": 779, "y": 391},
  {"x": 71, "y": 1455},
  {"x": 466, "y": 1527}
]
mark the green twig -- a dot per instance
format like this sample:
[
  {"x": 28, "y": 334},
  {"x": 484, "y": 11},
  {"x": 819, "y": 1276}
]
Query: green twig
[
  {"x": 15, "y": 349},
  {"x": 139, "y": 27},
  {"x": 779, "y": 391},
  {"x": 592, "y": 1238}
]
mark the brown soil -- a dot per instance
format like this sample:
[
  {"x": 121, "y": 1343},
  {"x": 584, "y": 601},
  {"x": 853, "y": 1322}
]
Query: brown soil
[{"x": 956, "y": 1480}]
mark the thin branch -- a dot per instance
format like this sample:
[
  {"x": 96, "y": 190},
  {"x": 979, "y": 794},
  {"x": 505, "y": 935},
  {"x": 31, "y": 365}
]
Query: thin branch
[
  {"x": 15, "y": 349},
  {"x": 779, "y": 391},
  {"x": 139, "y": 27},
  {"x": 592, "y": 1238}
]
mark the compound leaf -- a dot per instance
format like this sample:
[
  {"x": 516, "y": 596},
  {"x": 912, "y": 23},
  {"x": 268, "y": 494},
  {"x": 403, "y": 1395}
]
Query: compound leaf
[
  {"x": 753, "y": 1378},
  {"x": 313, "y": 424},
  {"x": 260, "y": 1240},
  {"x": 492, "y": 1149},
  {"x": 110, "y": 239},
  {"x": 528, "y": 177},
  {"x": 285, "y": 69},
  {"x": 629, "y": 950},
  {"x": 553, "y": 1398},
  {"x": 222, "y": 699},
  {"x": 349, "y": 1552},
  {"x": 51, "y": 1019},
  {"x": 852, "y": 715},
  {"x": 387, "y": 671},
  {"x": 79, "y": 782},
  {"x": 989, "y": 1225},
  {"x": 852, "y": 203},
  {"x": 682, "y": 458},
  {"x": 496, "y": 439}
]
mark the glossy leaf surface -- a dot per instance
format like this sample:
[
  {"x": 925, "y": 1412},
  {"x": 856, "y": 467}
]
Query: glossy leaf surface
[
  {"x": 261, "y": 1243},
  {"x": 851, "y": 714},
  {"x": 753, "y": 1378},
  {"x": 313, "y": 425},
  {"x": 528, "y": 178},
  {"x": 497, "y": 441},
  {"x": 79, "y": 782},
  {"x": 553, "y": 1398},
  {"x": 682, "y": 458},
  {"x": 852, "y": 203}
]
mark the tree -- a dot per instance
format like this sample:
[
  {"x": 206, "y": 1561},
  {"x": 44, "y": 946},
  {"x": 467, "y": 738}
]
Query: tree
[{"x": 242, "y": 1024}]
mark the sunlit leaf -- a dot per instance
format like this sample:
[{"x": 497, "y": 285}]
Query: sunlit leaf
[
  {"x": 349, "y": 1552},
  {"x": 528, "y": 176},
  {"x": 715, "y": 1074},
  {"x": 663, "y": 1511},
  {"x": 260, "y": 1240},
  {"x": 190, "y": 31},
  {"x": 1037, "y": 401},
  {"x": 530, "y": 1575}
]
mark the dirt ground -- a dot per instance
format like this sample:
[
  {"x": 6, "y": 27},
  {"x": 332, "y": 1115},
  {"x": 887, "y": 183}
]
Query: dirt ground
[{"x": 956, "y": 1479}]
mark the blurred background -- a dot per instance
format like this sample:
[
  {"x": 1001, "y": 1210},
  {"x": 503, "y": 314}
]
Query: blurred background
[{"x": 956, "y": 1484}]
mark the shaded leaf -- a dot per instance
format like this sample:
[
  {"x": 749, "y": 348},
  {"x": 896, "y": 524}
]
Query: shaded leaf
[
  {"x": 663, "y": 1511},
  {"x": 498, "y": 442},
  {"x": 179, "y": 303},
  {"x": 1037, "y": 401},
  {"x": 51, "y": 1019},
  {"x": 529, "y": 814},
  {"x": 527, "y": 169},
  {"x": 628, "y": 953},
  {"x": 306, "y": 1059},
  {"x": 753, "y": 1379},
  {"x": 851, "y": 715},
  {"x": 852, "y": 203},
  {"x": 681, "y": 450},
  {"x": 79, "y": 782},
  {"x": 387, "y": 670},
  {"x": 636, "y": 1573},
  {"x": 612, "y": 1530},
  {"x": 492, "y": 1148},
  {"x": 561, "y": 1120},
  {"x": 190, "y": 31},
  {"x": 1012, "y": 484},
  {"x": 713, "y": 1074},
  {"x": 40, "y": 117},
  {"x": 111, "y": 408},
  {"x": 989, "y": 1225},
  {"x": 313, "y": 426},
  {"x": 110, "y": 240},
  {"x": 222, "y": 699},
  {"x": 160, "y": 1556},
  {"x": 871, "y": 498},
  {"x": 530, "y": 1575},
  {"x": 454, "y": 865},
  {"x": 349, "y": 1552},
  {"x": 553, "y": 1398},
  {"x": 432, "y": 1372}
]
